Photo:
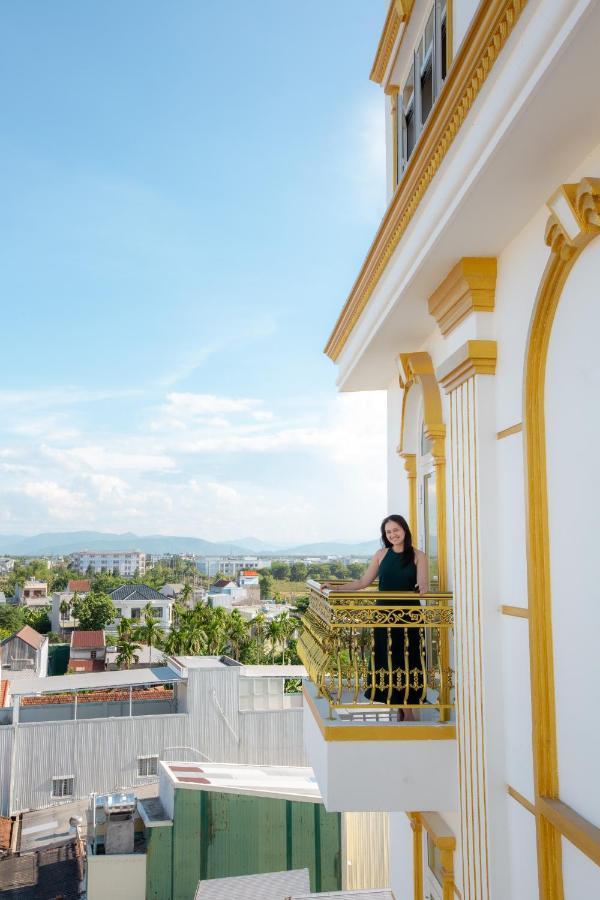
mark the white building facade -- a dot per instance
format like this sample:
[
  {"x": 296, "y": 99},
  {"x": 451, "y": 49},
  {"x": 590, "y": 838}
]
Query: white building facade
[
  {"x": 122, "y": 562},
  {"x": 476, "y": 311}
]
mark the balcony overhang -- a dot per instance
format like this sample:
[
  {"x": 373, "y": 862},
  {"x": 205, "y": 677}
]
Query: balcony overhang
[
  {"x": 483, "y": 188},
  {"x": 387, "y": 767}
]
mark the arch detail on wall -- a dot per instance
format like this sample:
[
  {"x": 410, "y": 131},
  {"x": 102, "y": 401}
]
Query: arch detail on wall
[
  {"x": 574, "y": 222},
  {"x": 417, "y": 369}
]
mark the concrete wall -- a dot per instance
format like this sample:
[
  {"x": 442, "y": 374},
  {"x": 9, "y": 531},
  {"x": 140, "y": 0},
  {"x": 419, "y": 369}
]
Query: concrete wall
[{"x": 121, "y": 877}]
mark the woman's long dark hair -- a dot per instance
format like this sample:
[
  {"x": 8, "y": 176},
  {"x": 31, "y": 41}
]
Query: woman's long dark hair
[{"x": 409, "y": 550}]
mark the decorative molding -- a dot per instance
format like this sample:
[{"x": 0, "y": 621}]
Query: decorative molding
[
  {"x": 491, "y": 27},
  {"x": 473, "y": 358},
  {"x": 399, "y": 11},
  {"x": 465, "y": 442},
  {"x": 417, "y": 368},
  {"x": 506, "y": 432},
  {"x": 566, "y": 245},
  {"x": 410, "y": 466},
  {"x": 520, "y": 612},
  {"x": 469, "y": 287},
  {"x": 417, "y": 830}
]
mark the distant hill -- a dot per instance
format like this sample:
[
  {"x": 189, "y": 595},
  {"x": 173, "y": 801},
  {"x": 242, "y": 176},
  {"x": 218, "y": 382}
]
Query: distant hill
[{"x": 62, "y": 543}]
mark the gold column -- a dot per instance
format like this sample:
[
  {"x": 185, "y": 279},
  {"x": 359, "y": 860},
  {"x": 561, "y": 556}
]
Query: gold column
[
  {"x": 417, "y": 830},
  {"x": 410, "y": 465},
  {"x": 460, "y": 376}
]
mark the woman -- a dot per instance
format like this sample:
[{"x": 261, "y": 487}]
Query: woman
[{"x": 400, "y": 567}]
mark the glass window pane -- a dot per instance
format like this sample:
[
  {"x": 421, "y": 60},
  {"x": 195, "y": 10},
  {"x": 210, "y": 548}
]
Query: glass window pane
[
  {"x": 427, "y": 90},
  {"x": 409, "y": 89}
]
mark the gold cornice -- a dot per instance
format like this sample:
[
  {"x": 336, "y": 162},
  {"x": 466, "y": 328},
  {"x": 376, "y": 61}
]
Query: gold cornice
[
  {"x": 473, "y": 358},
  {"x": 487, "y": 35},
  {"x": 470, "y": 286},
  {"x": 398, "y": 12}
]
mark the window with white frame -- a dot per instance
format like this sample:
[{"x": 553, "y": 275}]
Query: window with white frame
[
  {"x": 422, "y": 83},
  {"x": 63, "y": 787},
  {"x": 147, "y": 765}
]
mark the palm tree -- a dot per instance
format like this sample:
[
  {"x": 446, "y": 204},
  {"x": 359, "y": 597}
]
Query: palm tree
[
  {"x": 237, "y": 632},
  {"x": 259, "y": 626},
  {"x": 274, "y": 635},
  {"x": 186, "y": 594},
  {"x": 128, "y": 653},
  {"x": 124, "y": 629},
  {"x": 150, "y": 632},
  {"x": 179, "y": 611},
  {"x": 287, "y": 627}
]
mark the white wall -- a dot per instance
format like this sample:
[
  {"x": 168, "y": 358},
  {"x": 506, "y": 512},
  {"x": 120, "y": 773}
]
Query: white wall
[
  {"x": 572, "y": 436},
  {"x": 401, "y": 856},
  {"x": 397, "y": 485}
]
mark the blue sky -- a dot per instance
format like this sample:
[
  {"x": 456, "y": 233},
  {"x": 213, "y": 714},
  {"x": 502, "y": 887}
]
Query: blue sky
[{"x": 188, "y": 191}]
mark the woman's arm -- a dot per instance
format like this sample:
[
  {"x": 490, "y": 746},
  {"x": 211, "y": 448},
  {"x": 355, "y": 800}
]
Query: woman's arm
[
  {"x": 369, "y": 576},
  {"x": 422, "y": 571}
]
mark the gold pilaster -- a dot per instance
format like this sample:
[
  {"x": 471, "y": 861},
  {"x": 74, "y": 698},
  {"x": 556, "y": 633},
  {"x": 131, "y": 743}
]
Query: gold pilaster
[
  {"x": 417, "y": 830},
  {"x": 410, "y": 465}
]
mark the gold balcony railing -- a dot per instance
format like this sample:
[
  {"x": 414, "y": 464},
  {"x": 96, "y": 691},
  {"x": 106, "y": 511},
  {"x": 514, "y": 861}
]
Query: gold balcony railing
[{"x": 372, "y": 651}]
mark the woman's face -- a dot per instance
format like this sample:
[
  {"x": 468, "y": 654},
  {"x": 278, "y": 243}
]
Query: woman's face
[{"x": 394, "y": 533}]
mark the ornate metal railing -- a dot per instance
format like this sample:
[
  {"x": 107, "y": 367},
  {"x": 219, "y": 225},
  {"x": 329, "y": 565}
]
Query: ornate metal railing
[{"x": 369, "y": 651}]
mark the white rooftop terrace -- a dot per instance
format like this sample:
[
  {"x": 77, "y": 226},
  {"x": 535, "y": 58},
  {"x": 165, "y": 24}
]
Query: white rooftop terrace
[{"x": 281, "y": 782}]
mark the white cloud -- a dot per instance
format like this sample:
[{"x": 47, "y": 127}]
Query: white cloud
[
  {"x": 61, "y": 502},
  {"x": 109, "y": 459}
]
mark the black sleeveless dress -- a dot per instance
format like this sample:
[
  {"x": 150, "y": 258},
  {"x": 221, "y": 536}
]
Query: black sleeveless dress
[{"x": 407, "y": 644}]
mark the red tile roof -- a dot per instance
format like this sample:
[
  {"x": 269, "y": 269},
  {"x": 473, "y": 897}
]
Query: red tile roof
[
  {"x": 249, "y": 572},
  {"x": 82, "y": 586},
  {"x": 87, "y": 640},
  {"x": 86, "y": 665},
  {"x": 31, "y": 636}
]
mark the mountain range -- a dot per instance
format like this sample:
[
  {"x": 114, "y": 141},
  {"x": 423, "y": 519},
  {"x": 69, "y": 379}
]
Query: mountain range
[{"x": 60, "y": 543}]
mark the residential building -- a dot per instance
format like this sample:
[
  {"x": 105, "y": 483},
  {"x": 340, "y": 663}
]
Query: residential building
[
  {"x": 61, "y": 612},
  {"x": 32, "y": 593},
  {"x": 194, "y": 708},
  {"x": 87, "y": 651},
  {"x": 475, "y": 311},
  {"x": 172, "y": 590},
  {"x": 230, "y": 565},
  {"x": 248, "y": 577},
  {"x": 131, "y": 599},
  {"x": 122, "y": 562},
  {"x": 6, "y": 565},
  {"x": 25, "y": 651}
]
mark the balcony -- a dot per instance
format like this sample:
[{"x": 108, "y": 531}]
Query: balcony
[{"x": 379, "y": 707}]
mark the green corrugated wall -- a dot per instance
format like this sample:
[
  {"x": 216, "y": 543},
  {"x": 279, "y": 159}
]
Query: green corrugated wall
[
  {"x": 215, "y": 835},
  {"x": 159, "y": 849}
]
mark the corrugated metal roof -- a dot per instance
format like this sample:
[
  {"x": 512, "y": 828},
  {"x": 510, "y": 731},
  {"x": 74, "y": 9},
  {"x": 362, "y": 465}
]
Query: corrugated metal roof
[
  {"x": 273, "y": 886},
  {"x": 31, "y": 636},
  {"x": 92, "y": 680},
  {"x": 272, "y": 671},
  {"x": 371, "y": 894}
]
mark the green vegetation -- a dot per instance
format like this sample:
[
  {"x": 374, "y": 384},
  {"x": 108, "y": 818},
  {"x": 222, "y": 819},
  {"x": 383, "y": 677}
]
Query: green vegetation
[{"x": 94, "y": 611}]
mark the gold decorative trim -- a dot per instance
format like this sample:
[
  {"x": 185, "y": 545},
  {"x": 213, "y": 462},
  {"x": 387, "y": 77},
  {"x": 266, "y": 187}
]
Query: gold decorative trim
[
  {"x": 526, "y": 804},
  {"x": 490, "y": 29},
  {"x": 506, "y": 432},
  {"x": 520, "y": 612},
  {"x": 566, "y": 248},
  {"x": 417, "y": 368},
  {"x": 473, "y": 358},
  {"x": 399, "y": 11},
  {"x": 400, "y": 732},
  {"x": 444, "y": 840},
  {"x": 417, "y": 830},
  {"x": 410, "y": 465},
  {"x": 469, "y": 287}
]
